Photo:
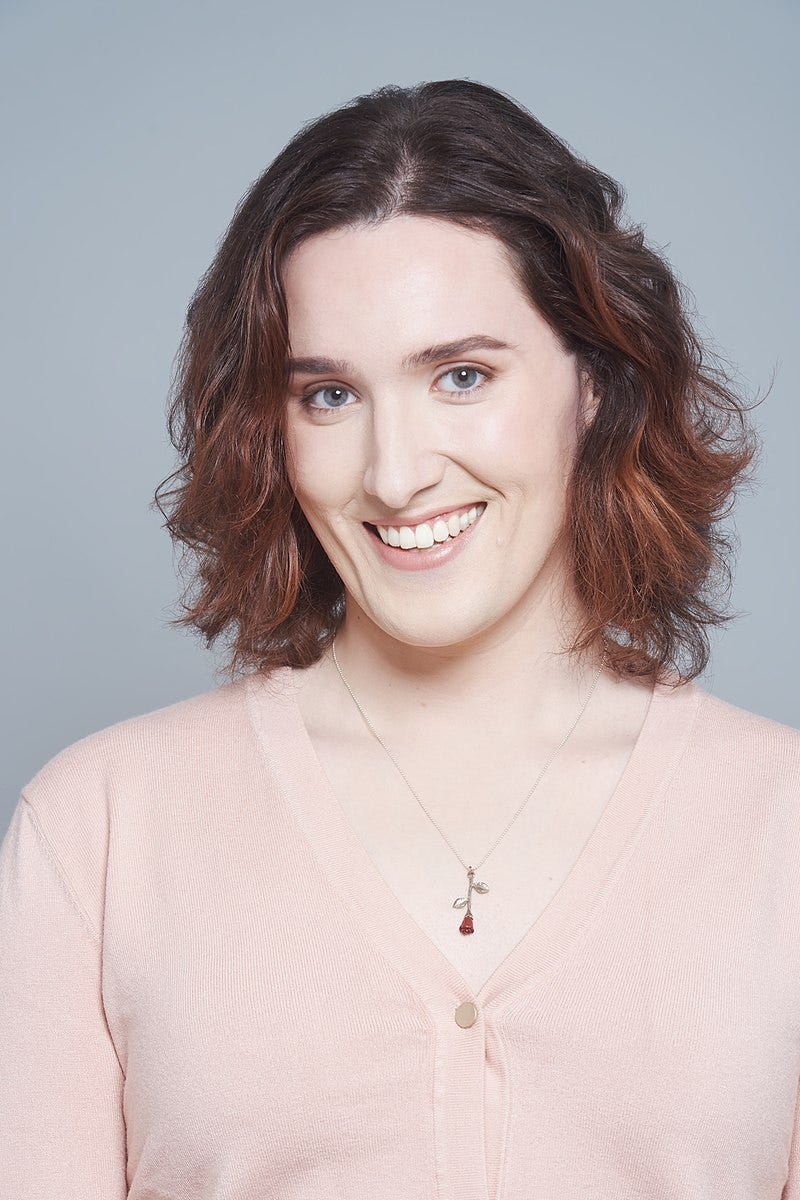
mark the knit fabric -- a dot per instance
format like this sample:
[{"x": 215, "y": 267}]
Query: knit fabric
[{"x": 208, "y": 990}]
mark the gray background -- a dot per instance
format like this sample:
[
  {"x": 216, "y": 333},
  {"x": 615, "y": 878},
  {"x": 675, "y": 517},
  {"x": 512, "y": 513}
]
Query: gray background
[{"x": 131, "y": 131}]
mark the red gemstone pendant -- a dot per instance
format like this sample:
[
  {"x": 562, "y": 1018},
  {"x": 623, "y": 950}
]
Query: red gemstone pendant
[{"x": 466, "y": 925}]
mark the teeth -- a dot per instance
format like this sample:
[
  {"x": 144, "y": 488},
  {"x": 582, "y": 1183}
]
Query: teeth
[{"x": 423, "y": 536}]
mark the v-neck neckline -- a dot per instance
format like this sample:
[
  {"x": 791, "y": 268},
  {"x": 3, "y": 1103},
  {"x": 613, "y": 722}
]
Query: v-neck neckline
[{"x": 274, "y": 711}]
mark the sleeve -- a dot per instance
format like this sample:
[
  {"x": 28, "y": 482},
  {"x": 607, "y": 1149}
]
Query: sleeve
[{"x": 62, "y": 1129}]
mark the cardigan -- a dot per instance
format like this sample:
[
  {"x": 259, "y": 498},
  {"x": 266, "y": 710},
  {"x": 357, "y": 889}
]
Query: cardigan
[{"x": 208, "y": 990}]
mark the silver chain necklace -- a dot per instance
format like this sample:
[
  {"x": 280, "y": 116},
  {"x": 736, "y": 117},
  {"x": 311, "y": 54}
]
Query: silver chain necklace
[{"x": 473, "y": 885}]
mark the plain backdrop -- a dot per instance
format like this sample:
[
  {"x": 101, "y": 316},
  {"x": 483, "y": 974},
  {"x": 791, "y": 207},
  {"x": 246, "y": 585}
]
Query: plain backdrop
[{"x": 130, "y": 133}]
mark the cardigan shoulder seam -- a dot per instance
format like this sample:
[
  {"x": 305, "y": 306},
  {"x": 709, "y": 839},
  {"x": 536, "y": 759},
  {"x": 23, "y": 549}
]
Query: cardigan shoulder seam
[{"x": 55, "y": 862}]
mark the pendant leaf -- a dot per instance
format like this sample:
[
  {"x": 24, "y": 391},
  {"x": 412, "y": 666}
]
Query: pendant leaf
[
  {"x": 460, "y": 903},
  {"x": 480, "y": 887}
]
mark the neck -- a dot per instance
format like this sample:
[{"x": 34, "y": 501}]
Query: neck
[{"x": 505, "y": 682}]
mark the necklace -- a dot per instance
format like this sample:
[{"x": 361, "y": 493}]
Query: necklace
[{"x": 473, "y": 885}]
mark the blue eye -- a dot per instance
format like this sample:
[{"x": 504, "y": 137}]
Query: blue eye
[
  {"x": 339, "y": 392},
  {"x": 465, "y": 371},
  {"x": 307, "y": 397}
]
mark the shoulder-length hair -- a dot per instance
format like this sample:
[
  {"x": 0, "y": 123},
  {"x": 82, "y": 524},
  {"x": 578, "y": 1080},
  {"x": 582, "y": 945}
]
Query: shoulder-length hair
[{"x": 654, "y": 473}]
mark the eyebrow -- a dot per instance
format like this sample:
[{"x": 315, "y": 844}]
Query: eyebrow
[{"x": 420, "y": 358}]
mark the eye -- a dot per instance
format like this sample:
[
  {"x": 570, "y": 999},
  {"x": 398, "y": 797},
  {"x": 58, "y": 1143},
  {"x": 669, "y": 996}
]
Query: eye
[
  {"x": 462, "y": 371},
  {"x": 338, "y": 403}
]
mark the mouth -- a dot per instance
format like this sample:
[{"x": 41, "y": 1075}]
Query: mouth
[{"x": 408, "y": 555}]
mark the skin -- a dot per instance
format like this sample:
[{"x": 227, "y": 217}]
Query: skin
[{"x": 468, "y": 654}]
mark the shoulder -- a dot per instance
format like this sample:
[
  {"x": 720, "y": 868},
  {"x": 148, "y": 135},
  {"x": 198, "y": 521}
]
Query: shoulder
[
  {"x": 76, "y": 796},
  {"x": 731, "y": 738},
  {"x": 129, "y": 745}
]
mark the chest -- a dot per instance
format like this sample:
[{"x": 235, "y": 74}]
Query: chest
[{"x": 473, "y": 813}]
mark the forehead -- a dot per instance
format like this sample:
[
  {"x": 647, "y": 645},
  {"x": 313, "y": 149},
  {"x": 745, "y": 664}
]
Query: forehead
[{"x": 400, "y": 281}]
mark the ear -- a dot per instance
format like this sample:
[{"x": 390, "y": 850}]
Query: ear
[{"x": 589, "y": 400}]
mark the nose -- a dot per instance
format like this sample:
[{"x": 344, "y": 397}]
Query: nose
[{"x": 402, "y": 456}]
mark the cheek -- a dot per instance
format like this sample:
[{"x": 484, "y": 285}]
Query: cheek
[
  {"x": 307, "y": 463},
  {"x": 320, "y": 474},
  {"x": 521, "y": 447}
]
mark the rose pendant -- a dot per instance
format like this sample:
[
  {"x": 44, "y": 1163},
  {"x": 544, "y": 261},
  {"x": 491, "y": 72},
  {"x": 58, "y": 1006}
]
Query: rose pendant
[{"x": 466, "y": 925}]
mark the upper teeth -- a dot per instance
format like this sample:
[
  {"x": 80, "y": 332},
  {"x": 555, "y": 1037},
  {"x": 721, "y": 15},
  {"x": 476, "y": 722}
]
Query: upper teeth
[{"x": 422, "y": 536}]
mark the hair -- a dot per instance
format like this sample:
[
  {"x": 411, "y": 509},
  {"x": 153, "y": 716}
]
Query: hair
[{"x": 653, "y": 475}]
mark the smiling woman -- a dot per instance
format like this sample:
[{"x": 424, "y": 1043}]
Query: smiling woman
[
  {"x": 407, "y": 447},
  {"x": 448, "y": 441},
  {"x": 312, "y": 332}
]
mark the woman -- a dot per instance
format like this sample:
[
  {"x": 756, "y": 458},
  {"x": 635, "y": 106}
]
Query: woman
[{"x": 452, "y": 467}]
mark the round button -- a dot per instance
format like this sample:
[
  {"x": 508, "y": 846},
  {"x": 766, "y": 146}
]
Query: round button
[{"x": 466, "y": 1014}]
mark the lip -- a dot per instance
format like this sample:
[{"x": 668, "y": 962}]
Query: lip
[
  {"x": 420, "y": 518},
  {"x": 422, "y": 560}
]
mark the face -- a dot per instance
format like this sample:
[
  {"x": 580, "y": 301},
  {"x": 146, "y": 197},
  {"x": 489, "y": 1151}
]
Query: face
[{"x": 389, "y": 439}]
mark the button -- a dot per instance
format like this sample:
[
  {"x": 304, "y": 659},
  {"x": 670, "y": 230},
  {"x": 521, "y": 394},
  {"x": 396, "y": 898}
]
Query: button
[{"x": 466, "y": 1014}]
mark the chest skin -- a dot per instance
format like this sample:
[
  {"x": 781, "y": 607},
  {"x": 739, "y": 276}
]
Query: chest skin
[{"x": 472, "y": 793}]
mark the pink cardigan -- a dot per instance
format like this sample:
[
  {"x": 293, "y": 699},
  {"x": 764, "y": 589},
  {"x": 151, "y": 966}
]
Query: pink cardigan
[{"x": 207, "y": 990}]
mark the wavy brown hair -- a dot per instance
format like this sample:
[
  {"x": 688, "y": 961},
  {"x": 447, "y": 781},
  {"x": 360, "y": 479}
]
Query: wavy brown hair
[{"x": 654, "y": 473}]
